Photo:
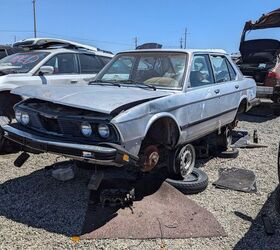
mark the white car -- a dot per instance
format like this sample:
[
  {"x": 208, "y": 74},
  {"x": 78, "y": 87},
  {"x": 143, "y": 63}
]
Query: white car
[{"x": 47, "y": 61}]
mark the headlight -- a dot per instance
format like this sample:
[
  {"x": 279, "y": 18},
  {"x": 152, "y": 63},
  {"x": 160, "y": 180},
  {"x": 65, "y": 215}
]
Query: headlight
[
  {"x": 86, "y": 129},
  {"x": 103, "y": 130},
  {"x": 25, "y": 118},
  {"x": 18, "y": 116}
]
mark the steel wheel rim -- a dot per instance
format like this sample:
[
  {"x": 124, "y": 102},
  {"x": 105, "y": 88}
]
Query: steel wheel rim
[{"x": 186, "y": 163}]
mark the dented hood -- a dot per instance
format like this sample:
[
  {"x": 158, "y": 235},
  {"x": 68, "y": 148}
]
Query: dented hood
[{"x": 104, "y": 99}]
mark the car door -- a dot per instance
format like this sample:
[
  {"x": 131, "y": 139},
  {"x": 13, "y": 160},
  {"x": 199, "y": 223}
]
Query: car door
[
  {"x": 65, "y": 69},
  {"x": 204, "y": 98},
  {"x": 228, "y": 85}
]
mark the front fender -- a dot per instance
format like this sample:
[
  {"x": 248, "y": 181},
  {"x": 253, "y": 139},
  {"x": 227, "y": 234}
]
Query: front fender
[{"x": 155, "y": 117}]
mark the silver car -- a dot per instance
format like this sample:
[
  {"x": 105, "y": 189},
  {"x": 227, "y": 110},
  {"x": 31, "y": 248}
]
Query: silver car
[{"x": 144, "y": 107}]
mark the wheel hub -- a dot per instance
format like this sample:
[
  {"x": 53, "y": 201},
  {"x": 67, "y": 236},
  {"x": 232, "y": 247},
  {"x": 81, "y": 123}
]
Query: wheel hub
[{"x": 151, "y": 158}]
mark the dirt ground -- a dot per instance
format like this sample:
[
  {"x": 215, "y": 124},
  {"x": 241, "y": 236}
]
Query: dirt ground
[{"x": 38, "y": 212}]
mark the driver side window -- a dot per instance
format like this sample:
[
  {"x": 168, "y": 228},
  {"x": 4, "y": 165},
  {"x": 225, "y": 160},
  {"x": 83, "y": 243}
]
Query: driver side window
[
  {"x": 63, "y": 64},
  {"x": 201, "y": 72}
]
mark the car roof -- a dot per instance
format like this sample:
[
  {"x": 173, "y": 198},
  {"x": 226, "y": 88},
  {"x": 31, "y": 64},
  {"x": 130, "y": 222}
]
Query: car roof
[
  {"x": 59, "y": 45},
  {"x": 188, "y": 51}
]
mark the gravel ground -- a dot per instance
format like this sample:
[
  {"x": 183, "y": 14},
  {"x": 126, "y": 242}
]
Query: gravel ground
[{"x": 38, "y": 212}]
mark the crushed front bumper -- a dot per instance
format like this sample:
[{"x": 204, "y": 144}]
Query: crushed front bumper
[{"x": 103, "y": 154}]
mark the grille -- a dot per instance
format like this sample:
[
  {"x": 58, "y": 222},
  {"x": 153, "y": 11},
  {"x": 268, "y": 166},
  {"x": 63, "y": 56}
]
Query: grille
[{"x": 50, "y": 124}]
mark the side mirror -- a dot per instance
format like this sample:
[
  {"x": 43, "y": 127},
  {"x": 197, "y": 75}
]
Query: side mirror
[{"x": 46, "y": 70}]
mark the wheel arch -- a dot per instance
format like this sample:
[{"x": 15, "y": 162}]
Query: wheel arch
[{"x": 164, "y": 120}]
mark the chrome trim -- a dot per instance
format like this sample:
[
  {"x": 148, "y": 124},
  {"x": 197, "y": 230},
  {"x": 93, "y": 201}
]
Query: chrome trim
[{"x": 96, "y": 149}]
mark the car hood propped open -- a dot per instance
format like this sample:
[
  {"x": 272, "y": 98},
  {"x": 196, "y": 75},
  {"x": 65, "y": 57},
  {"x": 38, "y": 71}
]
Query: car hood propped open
[{"x": 104, "y": 99}]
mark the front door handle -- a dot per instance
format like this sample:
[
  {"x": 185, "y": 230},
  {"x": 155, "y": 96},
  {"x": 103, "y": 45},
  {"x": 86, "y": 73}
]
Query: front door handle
[
  {"x": 217, "y": 91},
  {"x": 236, "y": 86}
]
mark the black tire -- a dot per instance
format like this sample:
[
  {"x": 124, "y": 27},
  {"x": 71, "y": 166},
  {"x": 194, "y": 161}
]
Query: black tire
[
  {"x": 232, "y": 153},
  {"x": 195, "y": 183}
]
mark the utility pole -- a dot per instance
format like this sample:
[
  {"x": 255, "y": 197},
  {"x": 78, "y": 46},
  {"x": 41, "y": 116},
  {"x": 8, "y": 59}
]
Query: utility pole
[
  {"x": 34, "y": 18},
  {"x": 185, "y": 39},
  {"x": 135, "y": 42},
  {"x": 181, "y": 43}
]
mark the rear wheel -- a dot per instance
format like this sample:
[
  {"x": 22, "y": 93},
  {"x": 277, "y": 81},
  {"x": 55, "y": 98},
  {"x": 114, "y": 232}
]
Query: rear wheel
[{"x": 224, "y": 140}]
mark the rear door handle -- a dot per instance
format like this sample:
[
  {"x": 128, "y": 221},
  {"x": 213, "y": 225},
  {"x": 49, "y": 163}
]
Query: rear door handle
[
  {"x": 217, "y": 91},
  {"x": 73, "y": 81},
  {"x": 236, "y": 86}
]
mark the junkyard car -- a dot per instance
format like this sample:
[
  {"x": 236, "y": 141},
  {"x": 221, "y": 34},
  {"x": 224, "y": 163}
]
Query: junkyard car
[
  {"x": 144, "y": 107},
  {"x": 260, "y": 58},
  {"x": 48, "y": 61}
]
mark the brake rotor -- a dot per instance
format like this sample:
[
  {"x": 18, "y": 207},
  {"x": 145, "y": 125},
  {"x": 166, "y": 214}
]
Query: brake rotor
[{"x": 150, "y": 158}]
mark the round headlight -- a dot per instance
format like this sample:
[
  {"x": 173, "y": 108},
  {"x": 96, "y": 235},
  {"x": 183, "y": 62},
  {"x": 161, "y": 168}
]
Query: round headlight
[
  {"x": 25, "y": 118},
  {"x": 104, "y": 131},
  {"x": 18, "y": 116},
  {"x": 86, "y": 129}
]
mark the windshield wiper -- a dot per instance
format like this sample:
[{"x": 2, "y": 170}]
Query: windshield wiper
[
  {"x": 102, "y": 82},
  {"x": 138, "y": 83}
]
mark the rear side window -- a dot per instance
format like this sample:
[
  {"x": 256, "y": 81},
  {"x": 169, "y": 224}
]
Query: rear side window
[
  {"x": 232, "y": 72},
  {"x": 89, "y": 64},
  {"x": 201, "y": 73},
  {"x": 63, "y": 64},
  {"x": 220, "y": 68}
]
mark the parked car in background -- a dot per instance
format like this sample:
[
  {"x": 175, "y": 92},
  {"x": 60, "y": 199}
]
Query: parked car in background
[
  {"x": 260, "y": 58},
  {"x": 48, "y": 61},
  {"x": 144, "y": 107},
  {"x": 6, "y": 50}
]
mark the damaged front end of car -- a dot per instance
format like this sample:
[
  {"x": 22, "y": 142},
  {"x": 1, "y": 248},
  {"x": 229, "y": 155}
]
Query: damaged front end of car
[{"x": 79, "y": 134}]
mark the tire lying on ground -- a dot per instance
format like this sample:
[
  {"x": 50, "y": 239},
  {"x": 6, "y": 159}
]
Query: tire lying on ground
[
  {"x": 195, "y": 183},
  {"x": 231, "y": 153}
]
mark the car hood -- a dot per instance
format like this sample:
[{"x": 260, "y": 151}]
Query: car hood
[{"x": 104, "y": 99}]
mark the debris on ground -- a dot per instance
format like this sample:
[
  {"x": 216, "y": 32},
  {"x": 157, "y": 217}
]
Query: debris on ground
[{"x": 236, "y": 179}]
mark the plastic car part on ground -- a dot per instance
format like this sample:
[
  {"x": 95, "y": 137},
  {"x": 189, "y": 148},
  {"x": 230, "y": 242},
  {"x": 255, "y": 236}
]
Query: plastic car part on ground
[
  {"x": 236, "y": 179},
  {"x": 195, "y": 183}
]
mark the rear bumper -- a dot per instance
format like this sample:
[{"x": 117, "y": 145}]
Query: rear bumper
[
  {"x": 103, "y": 154},
  {"x": 263, "y": 91}
]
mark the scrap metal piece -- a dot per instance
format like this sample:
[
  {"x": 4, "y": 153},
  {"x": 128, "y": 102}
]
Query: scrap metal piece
[{"x": 117, "y": 197}]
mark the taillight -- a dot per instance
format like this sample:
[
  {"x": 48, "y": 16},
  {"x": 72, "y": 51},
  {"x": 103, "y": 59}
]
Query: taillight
[{"x": 274, "y": 75}]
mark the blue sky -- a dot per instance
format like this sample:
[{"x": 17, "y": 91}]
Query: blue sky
[{"x": 112, "y": 24}]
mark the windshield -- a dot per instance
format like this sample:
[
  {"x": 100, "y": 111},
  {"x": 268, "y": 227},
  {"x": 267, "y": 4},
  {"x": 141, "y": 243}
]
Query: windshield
[
  {"x": 21, "y": 62},
  {"x": 159, "y": 69}
]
